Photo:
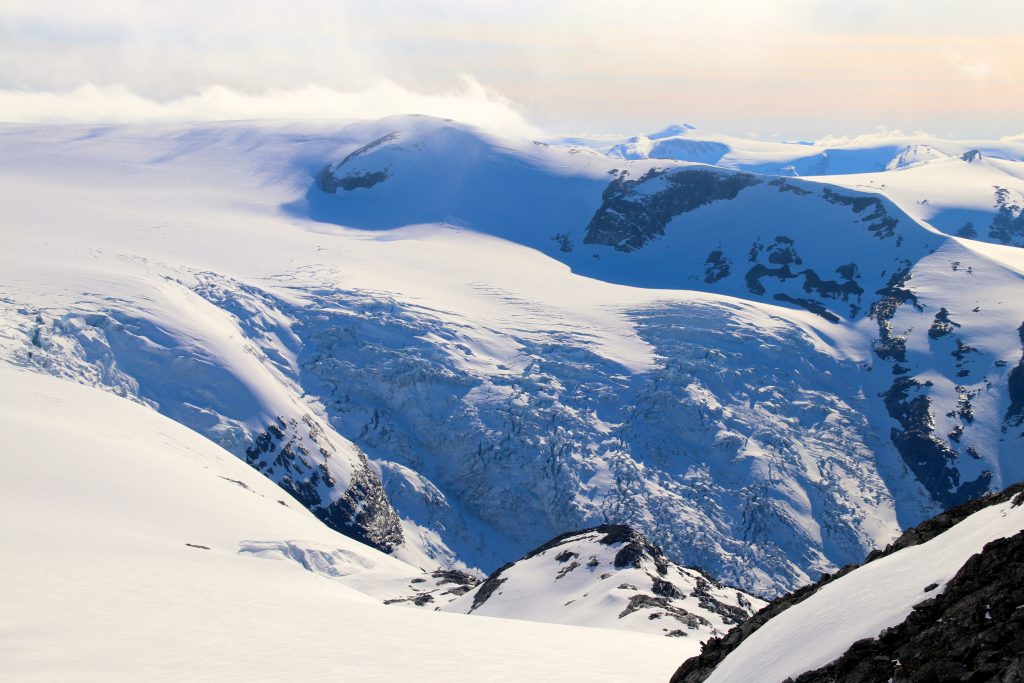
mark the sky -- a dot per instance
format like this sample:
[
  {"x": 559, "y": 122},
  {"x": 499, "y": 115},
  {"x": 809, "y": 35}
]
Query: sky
[{"x": 770, "y": 68}]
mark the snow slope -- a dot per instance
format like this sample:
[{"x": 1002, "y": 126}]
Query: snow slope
[
  {"x": 503, "y": 390},
  {"x": 863, "y": 602},
  {"x": 978, "y": 199},
  {"x": 127, "y": 541}
]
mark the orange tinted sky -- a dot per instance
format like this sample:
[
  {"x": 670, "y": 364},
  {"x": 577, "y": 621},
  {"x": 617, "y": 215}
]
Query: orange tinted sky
[{"x": 788, "y": 67}]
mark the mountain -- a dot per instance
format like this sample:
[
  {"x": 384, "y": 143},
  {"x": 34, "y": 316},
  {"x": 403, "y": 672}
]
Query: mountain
[
  {"x": 747, "y": 235},
  {"x": 456, "y": 346},
  {"x": 940, "y": 603},
  {"x": 609, "y": 576},
  {"x": 967, "y": 188},
  {"x": 136, "y": 548}
]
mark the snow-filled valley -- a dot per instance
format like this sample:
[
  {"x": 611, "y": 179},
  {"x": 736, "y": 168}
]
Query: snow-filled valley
[
  {"x": 136, "y": 565},
  {"x": 452, "y": 347}
]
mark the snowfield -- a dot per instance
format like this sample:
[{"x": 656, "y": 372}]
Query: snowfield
[{"x": 122, "y": 534}]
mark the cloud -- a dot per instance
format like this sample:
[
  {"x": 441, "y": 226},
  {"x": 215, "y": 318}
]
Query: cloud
[
  {"x": 881, "y": 135},
  {"x": 1013, "y": 138},
  {"x": 469, "y": 102},
  {"x": 974, "y": 67},
  {"x": 978, "y": 71}
]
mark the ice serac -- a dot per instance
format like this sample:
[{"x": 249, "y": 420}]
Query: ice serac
[{"x": 610, "y": 576}]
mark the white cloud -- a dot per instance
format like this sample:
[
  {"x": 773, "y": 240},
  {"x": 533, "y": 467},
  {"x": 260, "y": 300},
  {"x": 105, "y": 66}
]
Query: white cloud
[
  {"x": 881, "y": 135},
  {"x": 469, "y": 102},
  {"x": 978, "y": 71}
]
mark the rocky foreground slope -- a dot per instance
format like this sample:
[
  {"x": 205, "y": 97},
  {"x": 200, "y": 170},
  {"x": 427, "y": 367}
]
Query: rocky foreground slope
[{"x": 965, "y": 624}]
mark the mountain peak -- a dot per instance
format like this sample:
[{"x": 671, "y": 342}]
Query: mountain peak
[{"x": 672, "y": 131}]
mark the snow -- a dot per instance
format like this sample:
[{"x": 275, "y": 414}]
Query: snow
[
  {"x": 577, "y": 582},
  {"x": 861, "y": 604},
  {"x": 925, "y": 175},
  {"x": 98, "y": 502},
  {"x": 503, "y": 390}
]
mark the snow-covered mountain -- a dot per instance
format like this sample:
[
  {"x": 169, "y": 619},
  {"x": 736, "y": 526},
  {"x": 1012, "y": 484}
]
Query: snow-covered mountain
[
  {"x": 456, "y": 346},
  {"x": 970, "y": 188},
  {"x": 941, "y": 603},
  {"x": 609, "y": 576}
]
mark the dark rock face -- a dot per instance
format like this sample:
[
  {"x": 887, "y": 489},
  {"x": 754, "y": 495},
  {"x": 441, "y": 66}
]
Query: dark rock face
[
  {"x": 698, "y": 669},
  {"x": 488, "y": 587},
  {"x": 633, "y": 212},
  {"x": 811, "y": 305},
  {"x": 1008, "y": 225},
  {"x": 931, "y": 460},
  {"x": 889, "y": 345},
  {"x": 785, "y": 186},
  {"x": 362, "y": 511},
  {"x": 442, "y": 582},
  {"x": 636, "y": 549},
  {"x": 331, "y": 183},
  {"x": 666, "y": 589},
  {"x": 928, "y": 457},
  {"x": 662, "y": 605},
  {"x": 330, "y": 178},
  {"x": 1015, "y": 413},
  {"x": 967, "y": 230},
  {"x": 782, "y": 255},
  {"x": 718, "y": 267},
  {"x": 879, "y": 221},
  {"x": 942, "y": 325}
]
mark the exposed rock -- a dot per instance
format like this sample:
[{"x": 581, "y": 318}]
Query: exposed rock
[
  {"x": 636, "y": 549},
  {"x": 942, "y": 325},
  {"x": 879, "y": 221},
  {"x": 488, "y": 587},
  {"x": 331, "y": 183},
  {"x": 891, "y": 346},
  {"x": 786, "y": 186},
  {"x": 931, "y": 460},
  {"x": 633, "y": 212},
  {"x": 659, "y": 588},
  {"x": 1015, "y": 413},
  {"x": 718, "y": 267},
  {"x": 362, "y": 511},
  {"x": 329, "y": 179},
  {"x": 663, "y": 607}
]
